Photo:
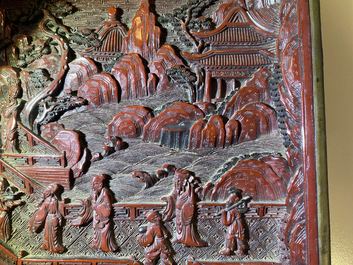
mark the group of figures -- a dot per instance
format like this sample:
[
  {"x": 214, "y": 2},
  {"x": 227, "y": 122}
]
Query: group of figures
[
  {"x": 181, "y": 208},
  {"x": 214, "y": 85}
]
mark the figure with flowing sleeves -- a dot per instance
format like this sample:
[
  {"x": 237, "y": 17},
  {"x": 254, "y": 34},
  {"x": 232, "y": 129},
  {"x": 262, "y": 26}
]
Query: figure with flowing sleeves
[
  {"x": 182, "y": 206},
  {"x": 50, "y": 214},
  {"x": 99, "y": 209}
]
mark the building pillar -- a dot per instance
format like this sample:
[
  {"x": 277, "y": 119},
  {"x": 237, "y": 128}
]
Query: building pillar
[
  {"x": 219, "y": 89},
  {"x": 208, "y": 83}
]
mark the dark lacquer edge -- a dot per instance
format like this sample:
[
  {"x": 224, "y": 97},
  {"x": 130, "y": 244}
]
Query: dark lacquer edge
[{"x": 320, "y": 135}]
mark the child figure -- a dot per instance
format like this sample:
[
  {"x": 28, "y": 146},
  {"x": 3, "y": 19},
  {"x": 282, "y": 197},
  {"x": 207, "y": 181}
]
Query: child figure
[{"x": 154, "y": 238}]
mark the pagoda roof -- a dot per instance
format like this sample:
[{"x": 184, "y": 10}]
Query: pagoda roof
[
  {"x": 231, "y": 58},
  {"x": 238, "y": 17}
]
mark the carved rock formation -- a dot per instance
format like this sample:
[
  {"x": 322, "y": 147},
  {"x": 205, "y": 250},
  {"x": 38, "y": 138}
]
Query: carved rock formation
[
  {"x": 255, "y": 90},
  {"x": 169, "y": 119},
  {"x": 144, "y": 36},
  {"x": 80, "y": 70},
  {"x": 69, "y": 142},
  {"x": 258, "y": 178},
  {"x": 164, "y": 59},
  {"x": 144, "y": 39},
  {"x": 248, "y": 124},
  {"x": 145, "y": 177},
  {"x": 131, "y": 75},
  {"x": 209, "y": 134},
  {"x": 151, "y": 179},
  {"x": 100, "y": 89},
  {"x": 112, "y": 145},
  {"x": 233, "y": 129},
  {"x": 129, "y": 122},
  {"x": 256, "y": 119}
]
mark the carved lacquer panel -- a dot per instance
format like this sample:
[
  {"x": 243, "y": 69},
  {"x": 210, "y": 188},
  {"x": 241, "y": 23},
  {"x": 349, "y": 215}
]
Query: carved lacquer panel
[{"x": 157, "y": 132}]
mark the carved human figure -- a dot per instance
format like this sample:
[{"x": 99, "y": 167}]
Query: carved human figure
[
  {"x": 236, "y": 238},
  {"x": 182, "y": 205},
  {"x": 9, "y": 116},
  {"x": 154, "y": 238},
  {"x": 50, "y": 213},
  {"x": 7, "y": 204},
  {"x": 99, "y": 209}
]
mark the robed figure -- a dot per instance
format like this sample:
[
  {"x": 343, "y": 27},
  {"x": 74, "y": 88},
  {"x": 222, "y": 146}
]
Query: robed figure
[
  {"x": 50, "y": 213},
  {"x": 10, "y": 111},
  {"x": 99, "y": 209},
  {"x": 182, "y": 206},
  {"x": 7, "y": 204}
]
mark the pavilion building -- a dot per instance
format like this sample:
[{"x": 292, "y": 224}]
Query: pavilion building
[{"x": 233, "y": 52}]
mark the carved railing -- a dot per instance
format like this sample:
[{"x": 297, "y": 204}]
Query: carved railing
[
  {"x": 20, "y": 180},
  {"x": 206, "y": 210},
  {"x": 34, "y": 140},
  {"x": 35, "y": 160},
  {"x": 28, "y": 169}
]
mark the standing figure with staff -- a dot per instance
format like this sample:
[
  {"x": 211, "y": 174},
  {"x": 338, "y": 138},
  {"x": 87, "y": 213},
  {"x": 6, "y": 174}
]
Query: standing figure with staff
[{"x": 236, "y": 237}]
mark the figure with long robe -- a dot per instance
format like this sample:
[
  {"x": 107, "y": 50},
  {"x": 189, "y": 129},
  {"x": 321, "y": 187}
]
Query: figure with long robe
[
  {"x": 182, "y": 206},
  {"x": 7, "y": 204},
  {"x": 10, "y": 113},
  {"x": 155, "y": 240},
  {"x": 98, "y": 208},
  {"x": 50, "y": 214}
]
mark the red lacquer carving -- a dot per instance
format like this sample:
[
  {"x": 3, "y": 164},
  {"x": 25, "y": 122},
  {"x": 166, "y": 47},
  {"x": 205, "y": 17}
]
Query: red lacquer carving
[
  {"x": 260, "y": 179},
  {"x": 181, "y": 205},
  {"x": 237, "y": 46},
  {"x": 8, "y": 202},
  {"x": 129, "y": 122},
  {"x": 175, "y": 114},
  {"x": 218, "y": 111},
  {"x": 50, "y": 215},
  {"x": 71, "y": 143},
  {"x": 131, "y": 75},
  {"x": 98, "y": 208},
  {"x": 110, "y": 36},
  {"x": 100, "y": 89},
  {"x": 154, "y": 238},
  {"x": 144, "y": 39},
  {"x": 256, "y": 119},
  {"x": 236, "y": 237},
  {"x": 11, "y": 89},
  {"x": 80, "y": 70},
  {"x": 255, "y": 90}
]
